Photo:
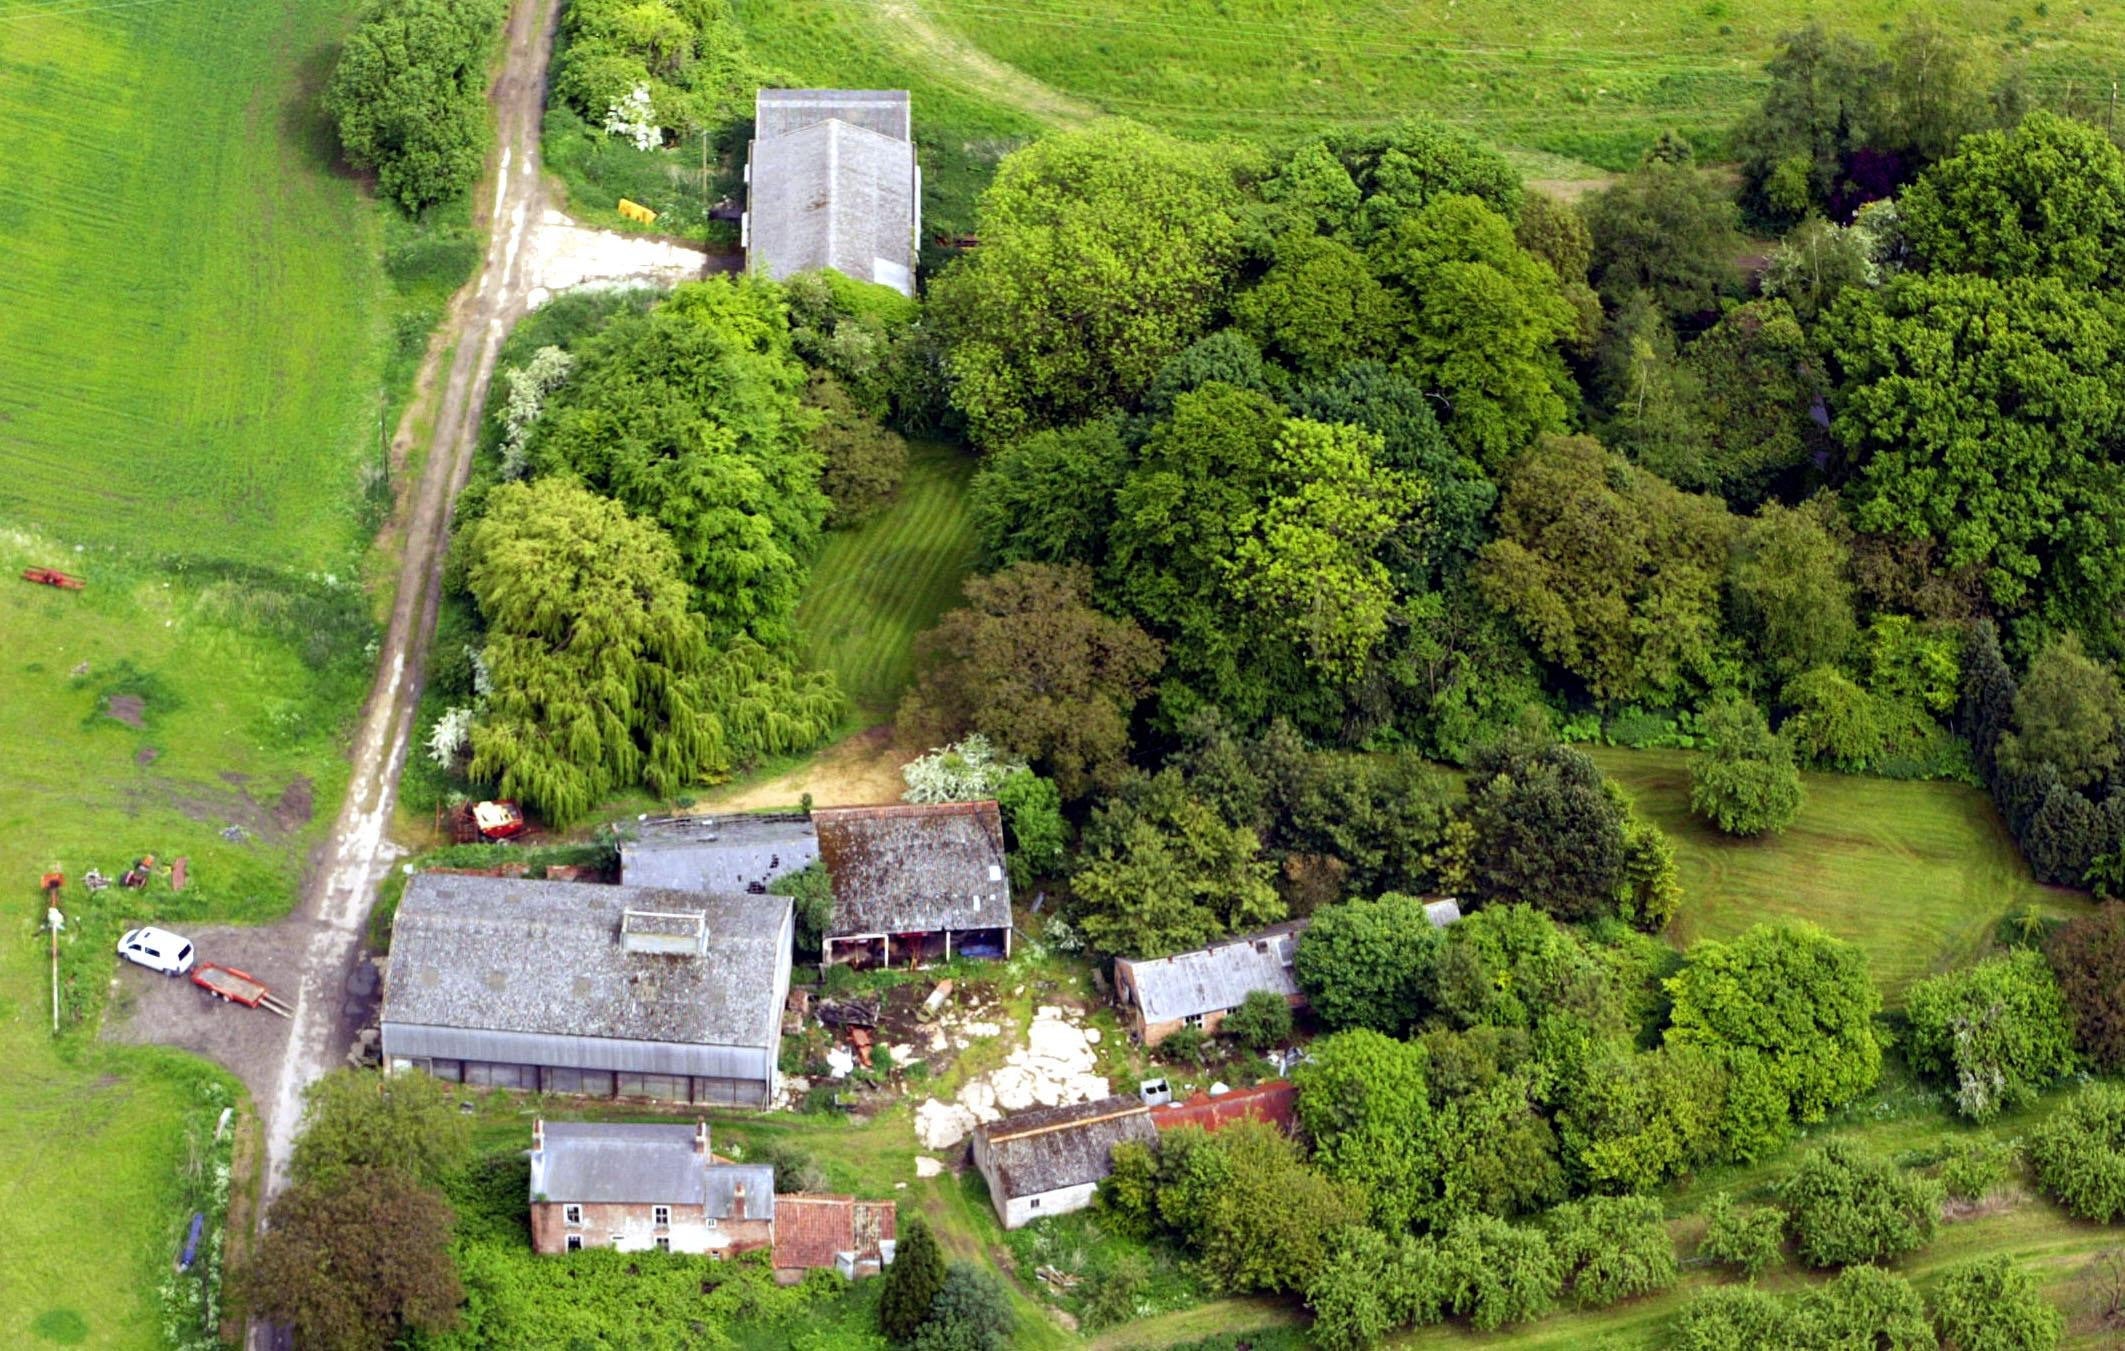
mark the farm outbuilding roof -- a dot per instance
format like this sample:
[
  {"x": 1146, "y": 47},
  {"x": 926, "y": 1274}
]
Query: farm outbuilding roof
[
  {"x": 598, "y": 1162},
  {"x": 813, "y": 1230},
  {"x": 517, "y": 970},
  {"x": 1217, "y": 977},
  {"x": 717, "y": 853},
  {"x": 832, "y": 182},
  {"x": 1049, "y": 1148},
  {"x": 1442, "y": 912},
  {"x": 915, "y": 868}
]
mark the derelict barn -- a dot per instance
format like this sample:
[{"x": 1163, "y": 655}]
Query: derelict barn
[
  {"x": 832, "y": 181},
  {"x": 915, "y": 883},
  {"x": 556, "y": 987}
]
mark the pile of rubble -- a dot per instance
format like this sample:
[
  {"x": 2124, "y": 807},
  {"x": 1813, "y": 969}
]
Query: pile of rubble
[{"x": 1053, "y": 1068}]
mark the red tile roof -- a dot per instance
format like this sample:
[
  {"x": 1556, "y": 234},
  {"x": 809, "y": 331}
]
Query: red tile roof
[{"x": 810, "y": 1230}]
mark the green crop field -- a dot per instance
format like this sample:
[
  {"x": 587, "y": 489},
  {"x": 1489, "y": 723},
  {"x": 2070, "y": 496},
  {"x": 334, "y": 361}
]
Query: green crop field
[
  {"x": 1564, "y": 86},
  {"x": 877, "y": 586},
  {"x": 191, "y": 329},
  {"x": 1918, "y": 874}
]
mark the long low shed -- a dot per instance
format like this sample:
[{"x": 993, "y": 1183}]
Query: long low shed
[{"x": 561, "y": 987}]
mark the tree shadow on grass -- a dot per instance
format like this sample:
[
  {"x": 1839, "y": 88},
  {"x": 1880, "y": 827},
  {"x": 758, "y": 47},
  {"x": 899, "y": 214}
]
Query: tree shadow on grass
[
  {"x": 64, "y": 1326},
  {"x": 307, "y": 127}
]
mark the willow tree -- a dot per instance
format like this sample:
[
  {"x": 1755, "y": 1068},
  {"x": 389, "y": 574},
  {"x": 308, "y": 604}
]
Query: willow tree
[{"x": 600, "y": 675}]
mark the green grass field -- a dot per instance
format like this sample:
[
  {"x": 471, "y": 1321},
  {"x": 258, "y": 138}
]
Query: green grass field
[
  {"x": 1563, "y": 87},
  {"x": 245, "y": 684},
  {"x": 877, "y": 586},
  {"x": 1917, "y": 874},
  {"x": 192, "y": 330}
]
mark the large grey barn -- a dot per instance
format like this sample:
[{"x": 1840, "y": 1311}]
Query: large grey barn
[
  {"x": 831, "y": 181},
  {"x": 558, "y": 987}
]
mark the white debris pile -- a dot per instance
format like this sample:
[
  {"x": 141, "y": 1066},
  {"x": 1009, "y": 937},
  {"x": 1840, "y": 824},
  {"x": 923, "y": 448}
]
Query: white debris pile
[{"x": 1053, "y": 1068}]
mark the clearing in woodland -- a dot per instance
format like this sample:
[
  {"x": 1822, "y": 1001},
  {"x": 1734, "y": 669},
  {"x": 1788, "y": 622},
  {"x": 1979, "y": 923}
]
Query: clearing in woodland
[
  {"x": 1919, "y": 875},
  {"x": 191, "y": 333}
]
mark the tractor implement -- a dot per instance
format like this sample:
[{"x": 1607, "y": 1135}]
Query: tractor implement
[{"x": 239, "y": 987}]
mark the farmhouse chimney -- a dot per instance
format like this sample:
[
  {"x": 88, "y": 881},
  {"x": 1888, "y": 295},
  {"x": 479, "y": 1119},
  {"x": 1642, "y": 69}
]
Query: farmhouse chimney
[
  {"x": 538, "y": 1136},
  {"x": 737, "y": 1201},
  {"x": 701, "y": 1138}
]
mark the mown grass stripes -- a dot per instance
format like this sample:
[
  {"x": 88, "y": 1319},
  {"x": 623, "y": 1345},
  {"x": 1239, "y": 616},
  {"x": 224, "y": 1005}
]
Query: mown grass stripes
[{"x": 875, "y": 587}]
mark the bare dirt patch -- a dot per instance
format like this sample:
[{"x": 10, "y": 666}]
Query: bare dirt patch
[
  {"x": 861, "y": 770},
  {"x": 129, "y": 709},
  {"x": 295, "y": 805},
  {"x": 146, "y": 755}
]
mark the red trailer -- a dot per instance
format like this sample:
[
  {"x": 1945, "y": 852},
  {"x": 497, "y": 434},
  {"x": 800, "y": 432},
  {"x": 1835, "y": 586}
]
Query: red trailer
[
  {"x": 238, "y": 987},
  {"x": 53, "y": 577}
]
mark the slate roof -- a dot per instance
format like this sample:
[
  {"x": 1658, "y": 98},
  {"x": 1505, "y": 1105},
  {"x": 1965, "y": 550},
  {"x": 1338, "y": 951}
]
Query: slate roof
[
  {"x": 915, "y": 867},
  {"x": 832, "y": 182},
  {"x": 543, "y": 959},
  {"x": 811, "y": 1230},
  {"x": 594, "y": 1161},
  {"x": 1218, "y": 977},
  {"x": 1054, "y": 1147},
  {"x": 716, "y": 853}
]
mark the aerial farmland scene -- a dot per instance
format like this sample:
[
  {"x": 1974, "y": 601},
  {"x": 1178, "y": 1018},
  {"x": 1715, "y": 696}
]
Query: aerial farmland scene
[{"x": 1231, "y": 675}]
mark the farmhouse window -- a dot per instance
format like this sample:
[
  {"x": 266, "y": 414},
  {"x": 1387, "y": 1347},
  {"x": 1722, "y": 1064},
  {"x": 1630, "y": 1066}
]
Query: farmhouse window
[
  {"x": 1193, "y": 1020},
  {"x": 572, "y": 1214},
  {"x": 575, "y": 1243},
  {"x": 664, "y": 1243},
  {"x": 660, "y": 1216},
  {"x": 711, "y": 1223}
]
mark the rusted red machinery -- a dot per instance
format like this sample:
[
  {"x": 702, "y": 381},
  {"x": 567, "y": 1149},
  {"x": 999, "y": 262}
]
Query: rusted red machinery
[
  {"x": 53, "y": 577},
  {"x": 238, "y": 987}
]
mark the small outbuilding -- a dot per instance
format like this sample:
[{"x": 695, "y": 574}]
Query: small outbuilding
[
  {"x": 739, "y": 854},
  {"x": 1275, "y": 1102},
  {"x": 621, "y": 991},
  {"x": 915, "y": 883},
  {"x": 641, "y": 1187},
  {"x": 816, "y": 1232},
  {"x": 832, "y": 181},
  {"x": 1051, "y": 1160},
  {"x": 1162, "y": 995}
]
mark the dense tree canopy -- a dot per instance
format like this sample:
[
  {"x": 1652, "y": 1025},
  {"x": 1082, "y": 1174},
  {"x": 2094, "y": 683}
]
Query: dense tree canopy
[
  {"x": 1104, "y": 252},
  {"x": 691, "y": 416},
  {"x": 1029, "y": 662},
  {"x": 600, "y": 675},
  {"x": 1847, "y": 1207},
  {"x": 1547, "y": 831},
  {"x": 2087, "y": 956},
  {"x": 1667, "y": 230},
  {"x": 1485, "y": 322},
  {"x": 1613, "y": 574},
  {"x": 1369, "y": 963},
  {"x": 352, "y": 1120},
  {"x": 1161, "y": 872},
  {"x": 2079, "y": 1153},
  {"x": 2046, "y": 199},
  {"x": 354, "y": 1263},
  {"x": 1984, "y": 415},
  {"x": 1790, "y": 1013},
  {"x": 1048, "y": 497},
  {"x": 409, "y": 95},
  {"x": 2068, "y": 711},
  {"x": 1993, "y": 1305}
]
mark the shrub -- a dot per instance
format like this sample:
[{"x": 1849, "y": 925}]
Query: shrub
[
  {"x": 1998, "y": 1029},
  {"x": 1864, "y": 1307},
  {"x": 1498, "y": 1273},
  {"x": 1751, "y": 1239},
  {"x": 1993, "y": 1305},
  {"x": 1972, "y": 1168},
  {"x": 1612, "y": 1248},
  {"x": 971, "y": 1313},
  {"x": 1847, "y": 1207},
  {"x": 1734, "y": 1318},
  {"x": 1262, "y": 1020},
  {"x": 2079, "y": 1154}
]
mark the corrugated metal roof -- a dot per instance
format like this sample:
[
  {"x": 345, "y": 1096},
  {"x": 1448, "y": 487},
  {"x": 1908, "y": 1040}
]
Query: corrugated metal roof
[
  {"x": 420, "y": 1041},
  {"x": 833, "y": 183},
  {"x": 644, "y": 1164},
  {"x": 717, "y": 853},
  {"x": 1217, "y": 977},
  {"x": 1050, "y": 1147},
  {"x": 913, "y": 868},
  {"x": 1442, "y": 913},
  {"x": 543, "y": 960}
]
